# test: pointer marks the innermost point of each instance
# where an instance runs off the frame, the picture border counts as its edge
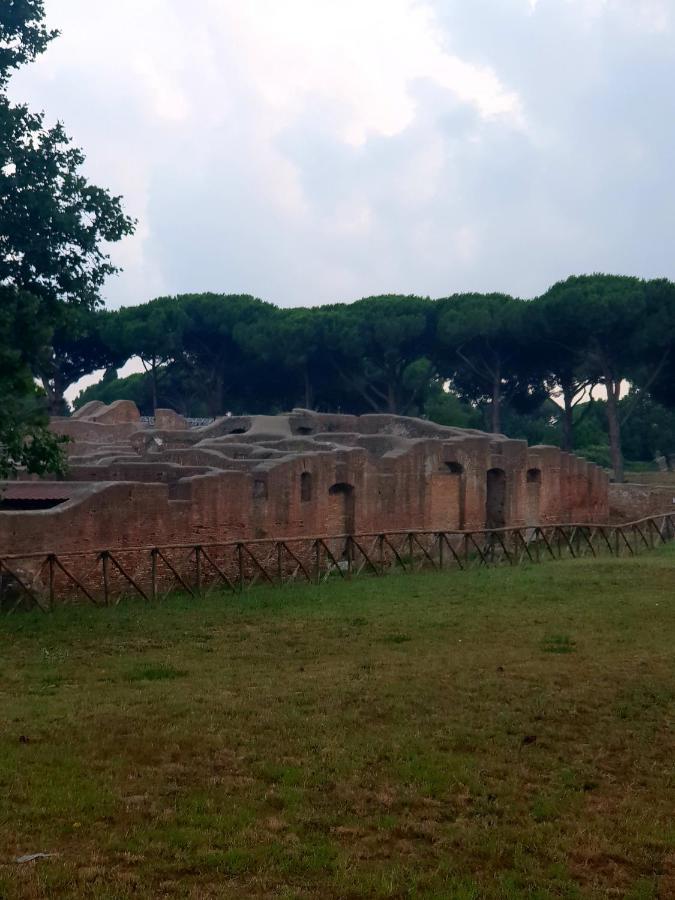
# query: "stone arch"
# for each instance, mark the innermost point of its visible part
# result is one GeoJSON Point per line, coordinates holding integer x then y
{"type": "Point", "coordinates": [341, 508]}
{"type": "Point", "coordinates": [533, 495]}
{"type": "Point", "coordinates": [495, 499]}
{"type": "Point", "coordinates": [306, 487]}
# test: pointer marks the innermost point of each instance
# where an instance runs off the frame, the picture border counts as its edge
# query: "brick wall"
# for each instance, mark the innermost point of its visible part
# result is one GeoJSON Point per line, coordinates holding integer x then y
{"type": "Point", "coordinates": [229, 481]}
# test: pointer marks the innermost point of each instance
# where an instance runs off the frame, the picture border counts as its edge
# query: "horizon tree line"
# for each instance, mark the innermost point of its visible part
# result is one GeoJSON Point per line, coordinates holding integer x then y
{"type": "Point", "coordinates": [205, 354]}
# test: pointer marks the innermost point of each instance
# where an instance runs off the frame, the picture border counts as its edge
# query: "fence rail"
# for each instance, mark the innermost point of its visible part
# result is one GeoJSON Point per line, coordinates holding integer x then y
{"type": "Point", "coordinates": [104, 577]}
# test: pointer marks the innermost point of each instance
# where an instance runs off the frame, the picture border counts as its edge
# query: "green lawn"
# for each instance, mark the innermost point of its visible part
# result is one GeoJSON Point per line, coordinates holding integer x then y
{"type": "Point", "coordinates": [487, 734]}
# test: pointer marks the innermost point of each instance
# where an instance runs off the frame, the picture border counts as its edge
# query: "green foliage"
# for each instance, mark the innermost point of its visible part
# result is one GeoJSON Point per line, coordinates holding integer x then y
{"type": "Point", "coordinates": [615, 328]}
{"type": "Point", "coordinates": [384, 344]}
{"type": "Point", "coordinates": [650, 428]}
{"type": "Point", "coordinates": [54, 222]}
{"type": "Point", "coordinates": [479, 348]}
{"type": "Point", "coordinates": [136, 387]}
{"type": "Point", "coordinates": [211, 346]}
{"type": "Point", "coordinates": [446, 408]}
{"type": "Point", "coordinates": [53, 231]}
{"type": "Point", "coordinates": [23, 34]}
{"type": "Point", "coordinates": [539, 425]}
{"type": "Point", "coordinates": [596, 453]}
{"type": "Point", "coordinates": [77, 347]}
{"type": "Point", "coordinates": [502, 358]}
{"type": "Point", "coordinates": [25, 441]}
{"type": "Point", "coordinates": [158, 672]}
{"type": "Point", "coordinates": [27, 444]}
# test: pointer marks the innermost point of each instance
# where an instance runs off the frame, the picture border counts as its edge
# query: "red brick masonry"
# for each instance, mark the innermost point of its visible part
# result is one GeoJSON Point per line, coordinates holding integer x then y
{"type": "Point", "coordinates": [304, 473]}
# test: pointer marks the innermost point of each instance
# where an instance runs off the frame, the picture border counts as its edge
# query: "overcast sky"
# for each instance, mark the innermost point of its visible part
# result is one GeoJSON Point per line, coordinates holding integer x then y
{"type": "Point", "coordinates": [312, 151]}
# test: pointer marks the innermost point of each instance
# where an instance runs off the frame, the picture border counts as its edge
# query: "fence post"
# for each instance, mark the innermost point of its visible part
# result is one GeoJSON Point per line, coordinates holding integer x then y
{"type": "Point", "coordinates": [280, 563]}
{"type": "Point", "coordinates": [440, 550]}
{"type": "Point", "coordinates": [153, 555]}
{"type": "Point", "coordinates": [240, 561]}
{"type": "Point", "coordinates": [317, 561]}
{"type": "Point", "coordinates": [198, 569]}
{"type": "Point", "coordinates": [51, 580]}
{"type": "Point", "coordinates": [105, 562]}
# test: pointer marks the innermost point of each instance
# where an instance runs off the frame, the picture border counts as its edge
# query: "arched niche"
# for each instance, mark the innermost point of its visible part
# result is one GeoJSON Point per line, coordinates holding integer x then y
{"type": "Point", "coordinates": [495, 498]}
{"type": "Point", "coordinates": [341, 508]}
{"type": "Point", "coordinates": [533, 496]}
{"type": "Point", "coordinates": [456, 512]}
{"type": "Point", "coordinates": [306, 487]}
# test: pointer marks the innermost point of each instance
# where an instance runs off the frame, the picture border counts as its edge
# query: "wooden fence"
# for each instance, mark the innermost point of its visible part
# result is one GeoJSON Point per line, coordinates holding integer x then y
{"type": "Point", "coordinates": [105, 577]}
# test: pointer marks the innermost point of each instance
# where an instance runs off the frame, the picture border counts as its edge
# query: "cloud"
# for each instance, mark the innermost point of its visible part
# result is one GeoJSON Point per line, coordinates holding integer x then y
{"type": "Point", "coordinates": [312, 151]}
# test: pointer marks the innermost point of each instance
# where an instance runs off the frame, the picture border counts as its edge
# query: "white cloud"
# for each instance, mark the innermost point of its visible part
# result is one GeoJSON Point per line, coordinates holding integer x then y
{"type": "Point", "coordinates": [315, 150]}
{"type": "Point", "coordinates": [361, 57]}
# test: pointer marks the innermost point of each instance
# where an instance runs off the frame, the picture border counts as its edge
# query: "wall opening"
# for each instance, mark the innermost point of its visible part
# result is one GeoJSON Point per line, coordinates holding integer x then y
{"type": "Point", "coordinates": [533, 489]}
{"type": "Point", "coordinates": [26, 505]}
{"type": "Point", "coordinates": [305, 487]}
{"type": "Point", "coordinates": [457, 515]}
{"type": "Point", "coordinates": [259, 489]}
{"type": "Point", "coordinates": [495, 502]}
{"type": "Point", "coordinates": [341, 513]}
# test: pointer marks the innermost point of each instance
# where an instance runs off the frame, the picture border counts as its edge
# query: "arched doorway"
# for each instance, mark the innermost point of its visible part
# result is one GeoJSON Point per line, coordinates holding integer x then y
{"type": "Point", "coordinates": [458, 497]}
{"type": "Point", "coordinates": [533, 487]}
{"type": "Point", "coordinates": [495, 501]}
{"type": "Point", "coordinates": [341, 509]}
{"type": "Point", "coordinates": [305, 487]}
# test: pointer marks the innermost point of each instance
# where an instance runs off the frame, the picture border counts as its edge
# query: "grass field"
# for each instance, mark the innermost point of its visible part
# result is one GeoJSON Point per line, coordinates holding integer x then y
{"type": "Point", "coordinates": [490, 734]}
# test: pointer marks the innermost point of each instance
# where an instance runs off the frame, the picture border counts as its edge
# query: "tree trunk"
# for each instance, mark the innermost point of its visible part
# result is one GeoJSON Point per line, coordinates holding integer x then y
{"type": "Point", "coordinates": [568, 420]}
{"type": "Point", "coordinates": [153, 378]}
{"type": "Point", "coordinates": [54, 388]}
{"type": "Point", "coordinates": [217, 397]}
{"type": "Point", "coordinates": [392, 405]}
{"type": "Point", "coordinates": [309, 394]}
{"type": "Point", "coordinates": [614, 426]}
{"type": "Point", "coordinates": [496, 407]}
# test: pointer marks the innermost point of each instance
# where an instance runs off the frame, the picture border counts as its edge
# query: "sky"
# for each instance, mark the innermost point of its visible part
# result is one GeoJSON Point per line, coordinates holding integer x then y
{"type": "Point", "coordinates": [314, 151]}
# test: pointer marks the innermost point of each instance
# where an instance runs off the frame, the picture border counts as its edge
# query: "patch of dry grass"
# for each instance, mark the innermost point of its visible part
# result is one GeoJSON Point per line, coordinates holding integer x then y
{"type": "Point", "coordinates": [494, 734]}
{"type": "Point", "coordinates": [656, 478]}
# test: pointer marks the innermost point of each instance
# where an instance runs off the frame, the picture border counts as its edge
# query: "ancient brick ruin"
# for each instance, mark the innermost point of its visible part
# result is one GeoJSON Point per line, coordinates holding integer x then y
{"type": "Point", "coordinates": [131, 484]}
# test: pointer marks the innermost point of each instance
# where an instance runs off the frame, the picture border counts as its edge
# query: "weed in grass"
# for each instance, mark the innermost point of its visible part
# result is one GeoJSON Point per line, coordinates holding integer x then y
{"type": "Point", "coordinates": [644, 889]}
{"type": "Point", "coordinates": [558, 643]}
{"type": "Point", "coordinates": [396, 639]}
{"type": "Point", "coordinates": [160, 672]}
